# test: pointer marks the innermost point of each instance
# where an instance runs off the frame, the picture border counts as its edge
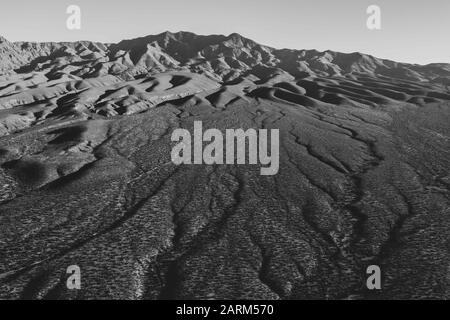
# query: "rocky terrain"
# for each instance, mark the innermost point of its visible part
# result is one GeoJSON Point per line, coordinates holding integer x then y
{"type": "Point", "coordinates": [86, 177]}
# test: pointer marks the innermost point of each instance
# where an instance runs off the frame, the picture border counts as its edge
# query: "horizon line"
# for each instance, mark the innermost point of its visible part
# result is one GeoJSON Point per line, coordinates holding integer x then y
{"type": "Point", "coordinates": [226, 36]}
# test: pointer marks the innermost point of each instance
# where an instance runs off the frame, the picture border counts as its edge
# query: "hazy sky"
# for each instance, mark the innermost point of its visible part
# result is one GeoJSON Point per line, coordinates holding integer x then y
{"type": "Point", "coordinates": [411, 30]}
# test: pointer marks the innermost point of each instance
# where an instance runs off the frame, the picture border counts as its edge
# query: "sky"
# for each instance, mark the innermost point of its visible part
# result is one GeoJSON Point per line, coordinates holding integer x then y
{"type": "Point", "coordinates": [411, 31]}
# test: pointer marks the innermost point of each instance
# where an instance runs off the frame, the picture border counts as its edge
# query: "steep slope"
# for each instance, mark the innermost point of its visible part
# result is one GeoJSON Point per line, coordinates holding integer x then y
{"type": "Point", "coordinates": [10, 55]}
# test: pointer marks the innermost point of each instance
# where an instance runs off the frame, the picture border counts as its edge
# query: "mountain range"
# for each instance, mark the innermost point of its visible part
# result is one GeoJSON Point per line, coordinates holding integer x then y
{"type": "Point", "coordinates": [224, 58]}
{"type": "Point", "coordinates": [86, 176]}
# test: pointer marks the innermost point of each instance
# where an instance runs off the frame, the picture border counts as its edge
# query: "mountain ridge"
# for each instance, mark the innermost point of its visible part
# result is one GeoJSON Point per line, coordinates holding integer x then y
{"type": "Point", "coordinates": [223, 58]}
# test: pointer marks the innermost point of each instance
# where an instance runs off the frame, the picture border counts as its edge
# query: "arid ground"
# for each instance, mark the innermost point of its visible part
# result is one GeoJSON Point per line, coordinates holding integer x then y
{"type": "Point", "coordinates": [86, 176]}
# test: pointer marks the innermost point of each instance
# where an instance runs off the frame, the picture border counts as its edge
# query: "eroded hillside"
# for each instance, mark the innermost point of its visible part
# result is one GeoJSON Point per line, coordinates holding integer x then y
{"type": "Point", "coordinates": [86, 176]}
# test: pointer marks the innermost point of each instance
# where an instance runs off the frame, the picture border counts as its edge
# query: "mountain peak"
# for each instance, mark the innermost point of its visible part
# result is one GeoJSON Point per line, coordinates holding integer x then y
{"type": "Point", "coordinates": [235, 35]}
{"type": "Point", "coordinates": [3, 40]}
{"type": "Point", "coordinates": [10, 55]}
{"type": "Point", "coordinates": [238, 37]}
